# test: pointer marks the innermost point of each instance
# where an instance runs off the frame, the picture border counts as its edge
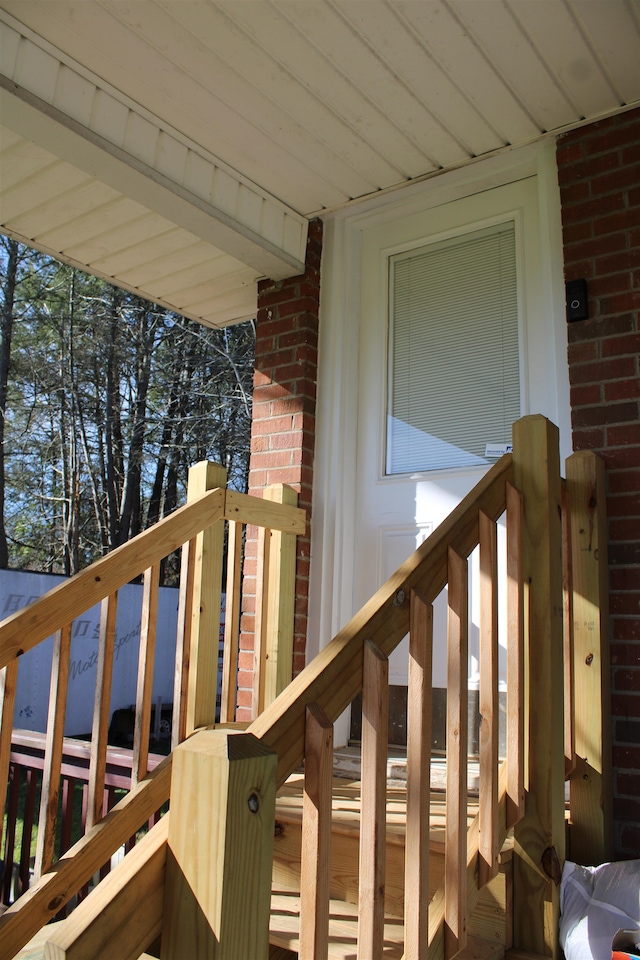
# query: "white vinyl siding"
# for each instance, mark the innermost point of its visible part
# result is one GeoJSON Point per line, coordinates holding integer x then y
{"type": "Point", "coordinates": [454, 356]}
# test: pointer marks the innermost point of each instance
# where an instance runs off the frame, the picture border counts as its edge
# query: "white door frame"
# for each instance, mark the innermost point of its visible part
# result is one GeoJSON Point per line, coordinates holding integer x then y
{"type": "Point", "coordinates": [334, 497]}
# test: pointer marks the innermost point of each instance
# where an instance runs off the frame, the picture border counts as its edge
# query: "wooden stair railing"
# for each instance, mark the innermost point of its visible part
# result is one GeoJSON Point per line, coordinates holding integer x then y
{"type": "Point", "coordinates": [527, 486]}
{"type": "Point", "coordinates": [197, 528]}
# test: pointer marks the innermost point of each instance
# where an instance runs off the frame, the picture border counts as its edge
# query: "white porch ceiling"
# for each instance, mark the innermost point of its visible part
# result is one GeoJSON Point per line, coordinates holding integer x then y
{"type": "Point", "coordinates": [178, 147]}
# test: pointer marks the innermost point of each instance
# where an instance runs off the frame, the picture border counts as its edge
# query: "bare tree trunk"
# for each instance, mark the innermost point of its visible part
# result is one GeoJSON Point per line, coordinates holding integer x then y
{"type": "Point", "coordinates": [69, 441]}
{"type": "Point", "coordinates": [113, 431]}
{"type": "Point", "coordinates": [130, 519]}
{"type": "Point", "coordinates": [5, 365]}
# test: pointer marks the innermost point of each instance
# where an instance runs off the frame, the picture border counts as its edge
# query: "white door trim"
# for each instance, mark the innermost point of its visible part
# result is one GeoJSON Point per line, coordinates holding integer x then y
{"type": "Point", "coordinates": [334, 499]}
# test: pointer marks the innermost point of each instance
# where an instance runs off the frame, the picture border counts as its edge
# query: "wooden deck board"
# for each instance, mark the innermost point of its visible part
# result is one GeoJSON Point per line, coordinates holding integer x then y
{"type": "Point", "coordinates": [487, 922]}
{"type": "Point", "coordinates": [343, 931]}
{"type": "Point", "coordinates": [346, 807]}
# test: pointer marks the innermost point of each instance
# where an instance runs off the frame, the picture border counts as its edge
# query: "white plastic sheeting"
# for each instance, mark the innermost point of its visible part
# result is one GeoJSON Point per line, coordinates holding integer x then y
{"type": "Point", "coordinates": [596, 903]}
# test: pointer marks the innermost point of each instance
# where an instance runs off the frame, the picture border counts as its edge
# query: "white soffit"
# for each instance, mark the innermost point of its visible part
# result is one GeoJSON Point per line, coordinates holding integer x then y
{"type": "Point", "coordinates": [310, 105]}
{"type": "Point", "coordinates": [82, 167]}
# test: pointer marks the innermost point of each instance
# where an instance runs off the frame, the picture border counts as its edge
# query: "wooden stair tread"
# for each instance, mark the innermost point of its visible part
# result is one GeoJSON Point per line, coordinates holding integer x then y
{"type": "Point", "coordinates": [346, 808]}
{"type": "Point", "coordinates": [343, 926]}
{"type": "Point", "coordinates": [343, 930]}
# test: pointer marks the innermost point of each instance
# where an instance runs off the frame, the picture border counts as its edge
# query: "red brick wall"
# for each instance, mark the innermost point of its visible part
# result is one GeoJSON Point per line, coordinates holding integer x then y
{"type": "Point", "coordinates": [283, 431]}
{"type": "Point", "coordinates": [599, 173]}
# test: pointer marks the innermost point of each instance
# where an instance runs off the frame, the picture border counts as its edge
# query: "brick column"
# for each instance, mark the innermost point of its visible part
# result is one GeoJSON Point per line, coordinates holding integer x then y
{"type": "Point", "coordinates": [599, 174]}
{"type": "Point", "coordinates": [283, 431]}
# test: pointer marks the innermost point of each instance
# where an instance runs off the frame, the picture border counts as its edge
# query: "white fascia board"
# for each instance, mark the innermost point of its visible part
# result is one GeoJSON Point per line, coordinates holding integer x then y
{"type": "Point", "coordinates": [58, 104]}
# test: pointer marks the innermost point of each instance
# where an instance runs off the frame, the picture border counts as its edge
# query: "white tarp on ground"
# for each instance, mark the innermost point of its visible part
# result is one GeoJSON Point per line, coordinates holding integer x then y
{"type": "Point", "coordinates": [17, 588]}
{"type": "Point", "coordinates": [596, 903]}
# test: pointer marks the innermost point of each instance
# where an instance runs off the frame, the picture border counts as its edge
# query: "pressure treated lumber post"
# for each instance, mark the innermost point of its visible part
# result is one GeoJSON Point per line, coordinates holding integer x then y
{"type": "Point", "coordinates": [280, 587]}
{"type": "Point", "coordinates": [539, 836]}
{"type": "Point", "coordinates": [373, 818]}
{"type": "Point", "coordinates": [419, 725]}
{"type": "Point", "coordinates": [455, 854]}
{"type": "Point", "coordinates": [315, 855]}
{"type": "Point", "coordinates": [205, 611]}
{"type": "Point", "coordinates": [591, 799]}
{"type": "Point", "coordinates": [220, 848]}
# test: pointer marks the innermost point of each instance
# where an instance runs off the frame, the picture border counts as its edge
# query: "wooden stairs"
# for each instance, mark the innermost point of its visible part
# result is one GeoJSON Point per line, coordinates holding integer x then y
{"type": "Point", "coordinates": [489, 926]}
{"type": "Point", "coordinates": [356, 868]}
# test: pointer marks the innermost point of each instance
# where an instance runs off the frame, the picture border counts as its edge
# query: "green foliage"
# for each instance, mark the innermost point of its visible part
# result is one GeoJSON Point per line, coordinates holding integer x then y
{"type": "Point", "coordinates": [108, 400]}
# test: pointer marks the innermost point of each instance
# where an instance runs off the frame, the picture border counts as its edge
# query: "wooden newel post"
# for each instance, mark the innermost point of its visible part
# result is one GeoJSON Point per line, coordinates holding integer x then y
{"type": "Point", "coordinates": [539, 837]}
{"type": "Point", "coordinates": [275, 602]}
{"type": "Point", "coordinates": [220, 848]}
{"type": "Point", "coordinates": [591, 797]}
{"type": "Point", "coordinates": [205, 610]}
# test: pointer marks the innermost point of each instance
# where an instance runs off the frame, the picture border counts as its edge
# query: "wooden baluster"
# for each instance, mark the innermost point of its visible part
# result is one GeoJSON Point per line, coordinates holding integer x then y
{"type": "Point", "coordinates": [100, 729]}
{"type": "Point", "coordinates": [231, 624]}
{"type": "Point", "coordinates": [28, 811]}
{"type": "Point", "coordinates": [591, 794]}
{"type": "Point", "coordinates": [489, 710]}
{"type": "Point", "coordinates": [567, 631]}
{"type": "Point", "coordinates": [10, 838]}
{"type": "Point", "coordinates": [419, 724]}
{"type": "Point", "coordinates": [8, 683]}
{"type": "Point", "coordinates": [183, 644]}
{"type": "Point", "coordinates": [263, 561]}
{"type": "Point", "coordinates": [373, 814]}
{"type": "Point", "coordinates": [68, 795]}
{"type": "Point", "coordinates": [146, 657]}
{"type": "Point", "coordinates": [515, 659]}
{"type": "Point", "coordinates": [53, 752]}
{"type": "Point", "coordinates": [457, 732]}
{"type": "Point", "coordinates": [280, 600]}
{"type": "Point", "coordinates": [205, 607]}
{"type": "Point", "coordinates": [316, 835]}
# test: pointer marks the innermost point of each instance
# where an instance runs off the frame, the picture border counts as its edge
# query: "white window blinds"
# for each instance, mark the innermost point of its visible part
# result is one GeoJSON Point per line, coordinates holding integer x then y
{"type": "Point", "coordinates": [453, 358]}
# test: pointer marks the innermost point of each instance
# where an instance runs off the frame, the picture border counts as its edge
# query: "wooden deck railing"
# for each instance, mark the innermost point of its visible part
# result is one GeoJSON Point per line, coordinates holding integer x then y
{"type": "Point", "coordinates": [198, 530]}
{"type": "Point", "coordinates": [223, 784]}
{"type": "Point", "coordinates": [27, 765]}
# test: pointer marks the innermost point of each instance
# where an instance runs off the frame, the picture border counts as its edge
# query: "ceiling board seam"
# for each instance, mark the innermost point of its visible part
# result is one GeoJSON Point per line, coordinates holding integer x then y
{"type": "Point", "coordinates": [101, 209]}
{"type": "Point", "coordinates": [327, 106]}
{"type": "Point", "coordinates": [58, 61]}
{"type": "Point", "coordinates": [266, 130]}
{"type": "Point", "coordinates": [536, 52]}
{"type": "Point", "coordinates": [125, 286]}
{"type": "Point", "coordinates": [586, 35]}
{"type": "Point", "coordinates": [142, 264]}
{"type": "Point", "coordinates": [430, 52]}
{"type": "Point", "coordinates": [389, 119]}
{"type": "Point", "coordinates": [32, 177]}
{"type": "Point", "coordinates": [633, 8]}
{"type": "Point", "coordinates": [507, 148]}
{"type": "Point", "coordinates": [498, 73]}
{"type": "Point", "coordinates": [154, 179]}
{"type": "Point", "coordinates": [103, 85]}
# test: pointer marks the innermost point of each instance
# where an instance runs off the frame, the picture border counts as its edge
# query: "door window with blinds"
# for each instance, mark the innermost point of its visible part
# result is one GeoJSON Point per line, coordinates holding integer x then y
{"type": "Point", "coordinates": [454, 377]}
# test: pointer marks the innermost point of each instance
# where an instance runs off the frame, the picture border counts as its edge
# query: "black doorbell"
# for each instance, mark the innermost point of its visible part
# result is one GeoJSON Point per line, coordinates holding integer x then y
{"type": "Point", "coordinates": [577, 301]}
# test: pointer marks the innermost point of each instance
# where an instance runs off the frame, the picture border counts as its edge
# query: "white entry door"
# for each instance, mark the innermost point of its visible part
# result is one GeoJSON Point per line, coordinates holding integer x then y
{"type": "Point", "coordinates": [456, 340]}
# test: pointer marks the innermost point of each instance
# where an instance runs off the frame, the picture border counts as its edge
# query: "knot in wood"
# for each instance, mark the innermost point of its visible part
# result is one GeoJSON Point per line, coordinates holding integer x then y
{"type": "Point", "coordinates": [551, 865]}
